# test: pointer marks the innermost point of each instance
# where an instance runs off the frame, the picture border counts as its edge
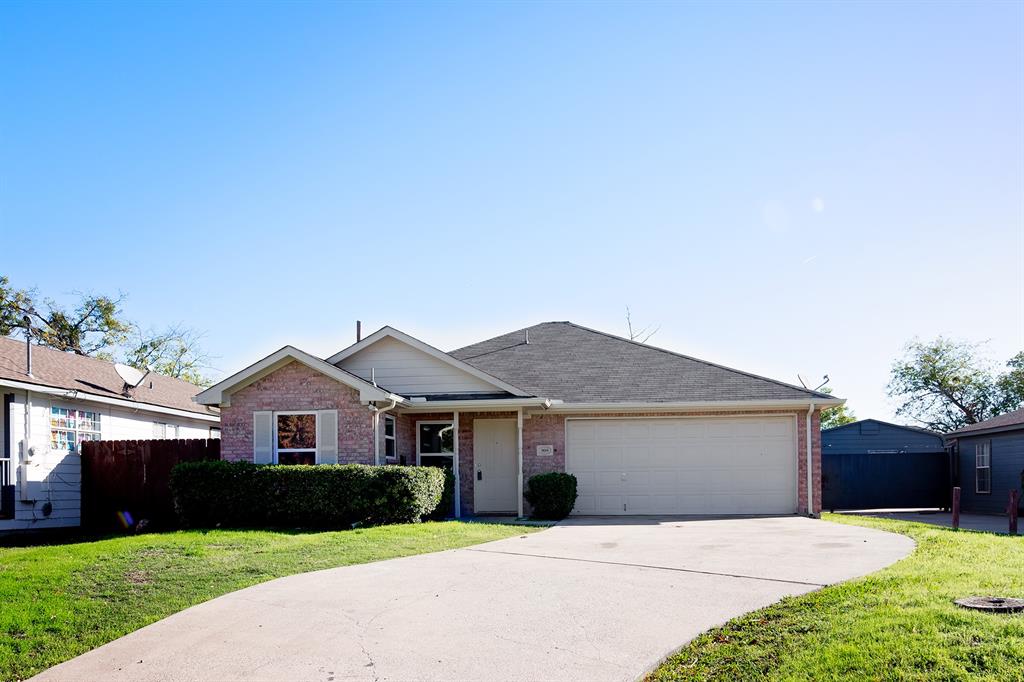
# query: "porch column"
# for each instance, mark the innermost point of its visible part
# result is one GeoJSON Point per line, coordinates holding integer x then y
{"type": "Point", "coordinates": [455, 465]}
{"type": "Point", "coordinates": [519, 460]}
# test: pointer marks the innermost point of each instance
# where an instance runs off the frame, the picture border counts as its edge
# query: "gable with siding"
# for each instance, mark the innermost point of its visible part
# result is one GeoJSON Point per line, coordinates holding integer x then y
{"type": "Point", "coordinates": [400, 368]}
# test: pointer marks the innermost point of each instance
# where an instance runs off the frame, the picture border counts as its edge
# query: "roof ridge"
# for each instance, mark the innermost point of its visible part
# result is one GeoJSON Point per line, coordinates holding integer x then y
{"type": "Point", "coordinates": [880, 421]}
{"type": "Point", "coordinates": [705, 362]}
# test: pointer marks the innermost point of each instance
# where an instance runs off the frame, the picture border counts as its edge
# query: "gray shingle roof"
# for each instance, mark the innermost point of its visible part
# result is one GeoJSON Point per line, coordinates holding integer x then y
{"type": "Point", "coordinates": [58, 369]}
{"type": "Point", "coordinates": [1003, 421]}
{"type": "Point", "coordinates": [572, 363]}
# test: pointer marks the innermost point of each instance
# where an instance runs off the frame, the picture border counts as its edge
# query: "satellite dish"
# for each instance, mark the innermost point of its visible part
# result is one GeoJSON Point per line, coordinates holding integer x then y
{"type": "Point", "coordinates": [132, 377]}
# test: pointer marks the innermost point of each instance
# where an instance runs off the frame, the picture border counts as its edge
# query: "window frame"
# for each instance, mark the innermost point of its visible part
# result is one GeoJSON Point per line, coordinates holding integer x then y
{"type": "Point", "coordinates": [983, 449]}
{"type": "Point", "coordinates": [393, 438]}
{"type": "Point", "coordinates": [419, 444]}
{"type": "Point", "coordinates": [98, 421]}
{"type": "Point", "coordinates": [316, 427]}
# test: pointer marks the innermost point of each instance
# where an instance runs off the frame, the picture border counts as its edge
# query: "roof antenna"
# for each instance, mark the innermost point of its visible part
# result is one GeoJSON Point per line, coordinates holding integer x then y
{"type": "Point", "coordinates": [28, 345]}
{"type": "Point", "coordinates": [527, 337]}
{"type": "Point", "coordinates": [802, 382]}
{"type": "Point", "coordinates": [822, 384]}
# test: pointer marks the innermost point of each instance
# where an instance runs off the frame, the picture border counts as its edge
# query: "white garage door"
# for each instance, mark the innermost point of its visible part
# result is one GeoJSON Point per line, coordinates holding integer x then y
{"type": "Point", "coordinates": [742, 465]}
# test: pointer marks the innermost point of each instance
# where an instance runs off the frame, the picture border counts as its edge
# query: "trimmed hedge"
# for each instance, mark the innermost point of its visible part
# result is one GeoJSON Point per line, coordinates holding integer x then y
{"type": "Point", "coordinates": [552, 495]}
{"type": "Point", "coordinates": [209, 494]}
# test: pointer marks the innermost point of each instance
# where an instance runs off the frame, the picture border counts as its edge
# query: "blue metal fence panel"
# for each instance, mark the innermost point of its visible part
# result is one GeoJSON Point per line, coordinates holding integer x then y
{"type": "Point", "coordinates": [882, 480]}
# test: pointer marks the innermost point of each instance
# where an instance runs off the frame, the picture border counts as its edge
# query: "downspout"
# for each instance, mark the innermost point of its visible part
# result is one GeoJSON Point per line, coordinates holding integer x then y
{"type": "Point", "coordinates": [377, 412]}
{"type": "Point", "coordinates": [810, 461]}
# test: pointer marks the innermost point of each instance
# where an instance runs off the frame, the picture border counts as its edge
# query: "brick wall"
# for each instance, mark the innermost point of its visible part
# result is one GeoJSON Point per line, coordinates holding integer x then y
{"type": "Point", "coordinates": [297, 387]}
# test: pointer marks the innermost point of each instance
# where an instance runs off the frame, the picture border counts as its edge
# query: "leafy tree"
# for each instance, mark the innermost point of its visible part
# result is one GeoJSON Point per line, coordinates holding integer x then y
{"type": "Point", "coordinates": [96, 327]}
{"type": "Point", "coordinates": [93, 327]}
{"type": "Point", "coordinates": [836, 416]}
{"type": "Point", "coordinates": [946, 384]}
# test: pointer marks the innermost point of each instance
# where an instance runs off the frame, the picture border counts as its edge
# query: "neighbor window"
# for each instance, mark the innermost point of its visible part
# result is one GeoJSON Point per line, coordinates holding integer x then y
{"type": "Point", "coordinates": [296, 438]}
{"type": "Point", "coordinates": [390, 445]}
{"type": "Point", "coordinates": [435, 443]}
{"type": "Point", "coordinates": [69, 427]}
{"type": "Point", "coordinates": [164, 430]}
{"type": "Point", "coordinates": [983, 467]}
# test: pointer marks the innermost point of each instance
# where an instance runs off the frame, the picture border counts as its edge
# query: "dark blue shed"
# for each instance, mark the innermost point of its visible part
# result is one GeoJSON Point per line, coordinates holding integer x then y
{"type": "Point", "coordinates": [871, 464]}
{"type": "Point", "coordinates": [990, 458]}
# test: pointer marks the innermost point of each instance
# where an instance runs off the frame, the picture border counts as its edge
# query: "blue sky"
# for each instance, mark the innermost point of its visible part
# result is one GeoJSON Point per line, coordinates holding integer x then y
{"type": "Point", "coordinates": [782, 188]}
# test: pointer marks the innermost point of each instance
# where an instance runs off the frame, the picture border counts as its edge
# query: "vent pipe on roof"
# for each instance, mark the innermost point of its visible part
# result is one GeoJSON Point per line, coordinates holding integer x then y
{"type": "Point", "coordinates": [28, 345]}
{"type": "Point", "coordinates": [359, 331]}
{"type": "Point", "coordinates": [527, 337]}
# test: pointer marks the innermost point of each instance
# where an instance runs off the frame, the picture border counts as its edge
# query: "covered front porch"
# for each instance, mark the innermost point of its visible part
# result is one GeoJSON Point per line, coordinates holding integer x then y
{"type": "Point", "coordinates": [482, 448]}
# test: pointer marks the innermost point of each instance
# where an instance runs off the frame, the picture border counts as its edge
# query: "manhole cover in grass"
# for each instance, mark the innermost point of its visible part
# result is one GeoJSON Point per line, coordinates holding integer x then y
{"type": "Point", "coordinates": [995, 604]}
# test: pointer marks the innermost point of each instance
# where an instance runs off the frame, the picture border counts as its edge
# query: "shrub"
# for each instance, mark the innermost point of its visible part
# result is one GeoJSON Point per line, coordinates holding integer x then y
{"type": "Point", "coordinates": [208, 494]}
{"type": "Point", "coordinates": [552, 496]}
{"type": "Point", "coordinates": [445, 508]}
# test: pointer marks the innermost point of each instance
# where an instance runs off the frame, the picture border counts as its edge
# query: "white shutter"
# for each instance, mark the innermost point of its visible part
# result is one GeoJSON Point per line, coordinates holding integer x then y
{"type": "Point", "coordinates": [263, 437]}
{"type": "Point", "coordinates": [327, 436]}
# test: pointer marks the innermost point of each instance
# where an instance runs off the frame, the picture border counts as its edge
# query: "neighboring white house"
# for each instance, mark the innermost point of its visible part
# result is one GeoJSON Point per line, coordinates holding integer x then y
{"type": "Point", "coordinates": [63, 400]}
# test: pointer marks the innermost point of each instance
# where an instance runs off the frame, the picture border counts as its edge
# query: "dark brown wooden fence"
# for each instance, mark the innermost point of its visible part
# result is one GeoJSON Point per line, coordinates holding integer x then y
{"type": "Point", "coordinates": [126, 481]}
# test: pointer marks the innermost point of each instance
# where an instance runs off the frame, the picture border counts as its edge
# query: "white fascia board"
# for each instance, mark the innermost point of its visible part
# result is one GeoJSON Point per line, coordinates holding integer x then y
{"type": "Point", "coordinates": [702, 406]}
{"type": "Point", "coordinates": [73, 394]}
{"type": "Point", "coordinates": [429, 350]}
{"type": "Point", "coordinates": [489, 404]}
{"type": "Point", "coordinates": [220, 392]}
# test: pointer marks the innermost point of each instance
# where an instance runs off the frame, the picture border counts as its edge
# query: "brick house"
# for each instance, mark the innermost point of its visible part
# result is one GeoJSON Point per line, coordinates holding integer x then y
{"type": "Point", "coordinates": [645, 430]}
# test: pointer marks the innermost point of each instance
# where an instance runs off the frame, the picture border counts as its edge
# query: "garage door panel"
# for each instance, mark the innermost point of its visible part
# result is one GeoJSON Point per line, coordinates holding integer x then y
{"type": "Point", "coordinates": [778, 428]}
{"type": "Point", "coordinates": [683, 466]}
{"type": "Point", "coordinates": [585, 504]}
{"type": "Point", "coordinates": [605, 457]}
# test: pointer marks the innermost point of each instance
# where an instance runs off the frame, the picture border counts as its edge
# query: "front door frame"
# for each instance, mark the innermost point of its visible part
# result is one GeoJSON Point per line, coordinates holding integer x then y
{"type": "Point", "coordinates": [517, 490]}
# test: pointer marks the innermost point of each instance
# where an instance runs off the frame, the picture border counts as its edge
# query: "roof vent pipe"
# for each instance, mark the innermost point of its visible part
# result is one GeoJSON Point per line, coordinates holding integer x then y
{"type": "Point", "coordinates": [28, 345]}
{"type": "Point", "coordinates": [359, 331]}
{"type": "Point", "coordinates": [527, 337]}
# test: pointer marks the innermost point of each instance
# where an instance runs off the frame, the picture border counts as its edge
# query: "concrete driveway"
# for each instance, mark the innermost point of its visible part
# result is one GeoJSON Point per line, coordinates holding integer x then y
{"type": "Point", "coordinates": [590, 599]}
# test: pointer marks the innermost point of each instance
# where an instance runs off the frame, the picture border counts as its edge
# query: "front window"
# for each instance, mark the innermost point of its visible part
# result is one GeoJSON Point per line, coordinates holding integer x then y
{"type": "Point", "coordinates": [390, 444]}
{"type": "Point", "coordinates": [70, 427]}
{"type": "Point", "coordinates": [435, 442]}
{"type": "Point", "coordinates": [296, 438]}
{"type": "Point", "coordinates": [983, 467]}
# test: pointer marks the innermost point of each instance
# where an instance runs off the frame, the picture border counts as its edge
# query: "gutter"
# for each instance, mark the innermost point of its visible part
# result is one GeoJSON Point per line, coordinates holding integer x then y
{"type": "Point", "coordinates": [377, 412]}
{"type": "Point", "coordinates": [703, 406]}
{"type": "Point", "coordinates": [71, 394]}
{"type": "Point", "coordinates": [446, 405]}
{"type": "Point", "coordinates": [810, 461]}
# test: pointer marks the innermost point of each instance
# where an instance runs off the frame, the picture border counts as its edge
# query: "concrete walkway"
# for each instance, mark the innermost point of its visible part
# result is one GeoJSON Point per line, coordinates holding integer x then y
{"type": "Point", "coordinates": [590, 599]}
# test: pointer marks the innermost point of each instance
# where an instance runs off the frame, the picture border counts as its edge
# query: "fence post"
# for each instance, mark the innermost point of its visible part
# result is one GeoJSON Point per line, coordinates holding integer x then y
{"type": "Point", "coordinates": [1012, 511]}
{"type": "Point", "coordinates": [956, 507]}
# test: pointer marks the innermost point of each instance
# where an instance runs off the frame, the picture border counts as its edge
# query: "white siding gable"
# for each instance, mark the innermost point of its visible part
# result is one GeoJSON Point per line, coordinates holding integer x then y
{"type": "Point", "coordinates": [403, 369]}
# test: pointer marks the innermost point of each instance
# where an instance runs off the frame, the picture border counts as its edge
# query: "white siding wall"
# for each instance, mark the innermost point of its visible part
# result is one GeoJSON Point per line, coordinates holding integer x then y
{"type": "Point", "coordinates": [404, 369]}
{"type": "Point", "coordinates": [55, 476]}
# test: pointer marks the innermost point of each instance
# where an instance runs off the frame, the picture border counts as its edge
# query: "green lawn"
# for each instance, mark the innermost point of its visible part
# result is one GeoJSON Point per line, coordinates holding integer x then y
{"type": "Point", "coordinates": [897, 624]}
{"type": "Point", "coordinates": [58, 601]}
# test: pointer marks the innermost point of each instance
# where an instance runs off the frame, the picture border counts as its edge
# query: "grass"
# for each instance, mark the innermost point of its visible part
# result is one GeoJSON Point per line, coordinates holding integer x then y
{"type": "Point", "coordinates": [897, 624]}
{"type": "Point", "coordinates": [58, 601]}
